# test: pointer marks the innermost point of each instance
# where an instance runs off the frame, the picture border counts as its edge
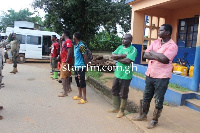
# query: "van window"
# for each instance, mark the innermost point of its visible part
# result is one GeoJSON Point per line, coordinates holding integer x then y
{"type": "Point", "coordinates": [36, 40]}
{"type": "Point", "coordinates": [22, 38]}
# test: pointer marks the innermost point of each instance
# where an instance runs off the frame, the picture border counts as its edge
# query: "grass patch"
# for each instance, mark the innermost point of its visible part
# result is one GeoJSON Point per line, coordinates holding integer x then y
{"type": "Point", "coordinates": [166, 103]}
{"type": "Point", "coordinates": [105, 79]}
{"type": "Point", "coordinates": [94, 74]}
{"type": "Point", "coordinates": [139, 75]}
{"type": "Point", "coordinates": [178, 88]}
{"type": "Point", "coordinates": [173, 86]}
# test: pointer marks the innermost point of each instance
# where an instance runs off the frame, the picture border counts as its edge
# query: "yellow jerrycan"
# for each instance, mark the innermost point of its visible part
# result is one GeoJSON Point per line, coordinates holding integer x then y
{"type": "Point", "coordinates": [183, 69]}
{"type": "Point", "coordinates": [175, 66]}
{"type": "Point", "coordinates": [191, 71]}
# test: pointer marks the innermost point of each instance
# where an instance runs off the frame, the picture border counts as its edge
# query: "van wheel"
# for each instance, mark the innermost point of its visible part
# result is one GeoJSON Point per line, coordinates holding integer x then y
{"type": "Point", "coordinates": [21, 58]}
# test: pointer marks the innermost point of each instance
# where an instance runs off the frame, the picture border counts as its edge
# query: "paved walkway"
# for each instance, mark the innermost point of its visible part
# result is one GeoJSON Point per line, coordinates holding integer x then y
{"type": "Point", "coordinates": [31, 105]}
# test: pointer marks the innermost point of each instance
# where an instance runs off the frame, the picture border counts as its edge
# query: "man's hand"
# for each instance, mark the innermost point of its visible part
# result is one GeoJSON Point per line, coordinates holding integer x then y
{"type": "Point", "coordinates": [116, 57]}
{"type": "Point", "coordinates": [61, 39]}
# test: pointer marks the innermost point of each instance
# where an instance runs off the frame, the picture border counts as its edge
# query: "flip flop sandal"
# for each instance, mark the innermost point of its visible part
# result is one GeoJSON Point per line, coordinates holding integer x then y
{"type": "Point", "coordinates": [82, 101]}
{"type": "Point", "coordinates": [76, 98]}
{"type": "Point", "coordinates": [62, 95]}
{"type": "Point", "coordinates": [2, 83]}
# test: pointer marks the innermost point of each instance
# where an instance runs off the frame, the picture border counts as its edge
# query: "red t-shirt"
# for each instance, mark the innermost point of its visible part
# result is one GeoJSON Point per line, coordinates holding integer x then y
{"type": "Point", "coordinates": [63, 56]}
{"type": "Point", "coordinates": [54, 49]}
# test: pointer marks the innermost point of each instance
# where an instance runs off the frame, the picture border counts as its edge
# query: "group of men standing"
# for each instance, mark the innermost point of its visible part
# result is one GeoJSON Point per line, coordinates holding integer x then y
{"type": "Point", "coordinates": [13, 44]}
{"type": "Point", "coordinates": [68, 54]}
{"type": "Point", "coordinates": [160, 54]}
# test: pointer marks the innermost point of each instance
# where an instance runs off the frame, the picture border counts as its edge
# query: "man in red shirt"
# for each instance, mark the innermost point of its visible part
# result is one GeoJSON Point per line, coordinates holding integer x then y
{"type": "Point", "coordinates": [54, 52]}
{"type": "Point", "coordinates": [66, 57]}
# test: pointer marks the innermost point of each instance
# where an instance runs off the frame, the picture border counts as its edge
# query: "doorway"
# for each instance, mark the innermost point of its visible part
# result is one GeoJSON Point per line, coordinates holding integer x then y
{"type": "Point", "coordinates": [46, 45]}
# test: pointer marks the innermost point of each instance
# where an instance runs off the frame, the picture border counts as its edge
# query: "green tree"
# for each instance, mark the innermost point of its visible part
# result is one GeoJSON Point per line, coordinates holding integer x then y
{"type": "Point", "coordinates": [104, 41]}
{"type": "Point", "coordinates": [23, 15]}
{"type": "Point", "coordinates": [85, 16]}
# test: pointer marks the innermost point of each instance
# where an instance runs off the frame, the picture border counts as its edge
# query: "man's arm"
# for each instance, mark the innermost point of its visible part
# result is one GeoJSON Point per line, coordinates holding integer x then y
{"type": "Point", "coordinates": [83, 53]}
{"type": "Point", "coordinates": [125, 61]}
{"type": "Point", "coordinates": [159, 57]}
{"type": "Point", "coordinates": [18, 47]}
{"type": "Point", "coordinates": [68, 54]}
{"type": "Point", "coordinates": [116, 57]}
{"type": "Point", "coordinates": [4, 43]}
{"type": "Point", "coordinates": [148, 56]}
{"type": "Point", "coordinates": [85, 58]}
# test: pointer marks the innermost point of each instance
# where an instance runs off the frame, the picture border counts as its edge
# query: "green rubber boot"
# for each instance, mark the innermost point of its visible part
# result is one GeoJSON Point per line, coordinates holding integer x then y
{"type": "Point", "coordinates": [122, 108]}
{"type": "Point", "coordinates": [116, 104]}
{"type": "Point", "coordinates": [55, 75]}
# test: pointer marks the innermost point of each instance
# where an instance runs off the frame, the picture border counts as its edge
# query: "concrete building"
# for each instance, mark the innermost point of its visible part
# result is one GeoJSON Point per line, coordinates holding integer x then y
{"type": "Point", "coordinates": [183, 15]}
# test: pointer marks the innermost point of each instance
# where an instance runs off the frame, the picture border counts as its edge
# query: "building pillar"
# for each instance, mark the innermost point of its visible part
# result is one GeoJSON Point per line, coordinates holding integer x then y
{"type": "Point", "coordinates": [196, 73]}
{"type": "Point", "coordinates": [137, 27]}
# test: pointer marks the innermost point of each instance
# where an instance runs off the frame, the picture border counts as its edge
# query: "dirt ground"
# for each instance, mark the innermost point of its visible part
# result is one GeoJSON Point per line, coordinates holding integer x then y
{"type": "Point", "coordinates": [31, 105]}
{"type": "Point", "coordinates": [107, 79]}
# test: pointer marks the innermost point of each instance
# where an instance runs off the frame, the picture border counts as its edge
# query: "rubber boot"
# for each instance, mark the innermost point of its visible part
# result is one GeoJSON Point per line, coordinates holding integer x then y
{"type": "Point", "coordinates": [116, 104]}
{"type": "Point", "coordinates": [13, 71]}
{"type": "Point", "coordinates": [55, 75]}
{"type": "Point", "coordinates": [16, 70]}
{"type": "Point", "coordinates": [143, 111]}
{"type": "Point", "coordinates": [122, 108]}
{"type": "Point", "coordinates": [154, 121]}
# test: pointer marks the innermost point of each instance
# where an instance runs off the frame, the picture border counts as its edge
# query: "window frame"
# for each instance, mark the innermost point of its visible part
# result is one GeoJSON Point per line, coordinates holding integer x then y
{"type": "Point", "coordinates": [25, 40]}
{"type": "Point", "coordinates": [39, 41]}
{"type": "Point", "coordinates": [183, 43]}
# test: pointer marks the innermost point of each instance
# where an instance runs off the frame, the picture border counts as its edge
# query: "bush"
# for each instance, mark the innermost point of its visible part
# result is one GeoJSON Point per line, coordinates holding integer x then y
{"type": "Point", "coordinates": [103, 41]}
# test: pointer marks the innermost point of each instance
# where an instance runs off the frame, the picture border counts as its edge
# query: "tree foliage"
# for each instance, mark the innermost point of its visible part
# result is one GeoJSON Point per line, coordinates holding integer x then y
{"type": "Point", "coordinates": [104, 41]}
{"type": "Point", "coordinates": [85, 16]}
{"type": "Point", "coordinates": [23, 15]}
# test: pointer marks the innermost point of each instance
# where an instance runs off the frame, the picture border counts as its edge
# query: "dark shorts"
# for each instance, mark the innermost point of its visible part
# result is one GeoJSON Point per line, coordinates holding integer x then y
{"type": "Point", "coordinates": [54, 62]}
{"type": "Point", "coordinates": [121, 87]}
{"type": "Point", "coordinates": [80, 78]}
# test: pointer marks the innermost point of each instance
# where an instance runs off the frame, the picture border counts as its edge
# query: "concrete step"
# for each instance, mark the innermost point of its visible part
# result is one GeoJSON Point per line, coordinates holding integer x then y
{"type": "Point", "coordinates": [197, 96]}
{"type": "Point", "coordinates": [193, 104]}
